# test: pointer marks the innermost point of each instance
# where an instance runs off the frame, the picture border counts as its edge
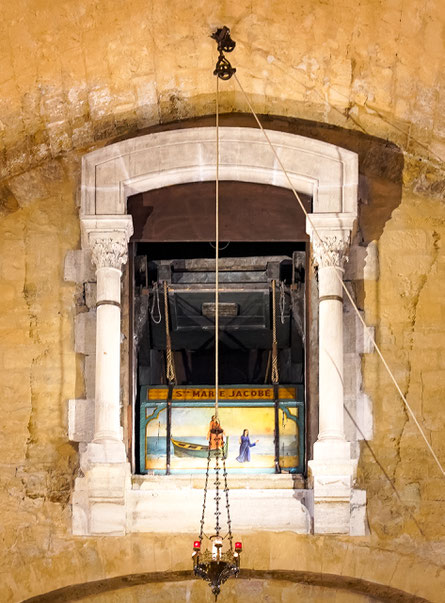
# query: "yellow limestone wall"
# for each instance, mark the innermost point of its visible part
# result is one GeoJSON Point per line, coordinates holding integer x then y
{"type": "Point", "coordinates": [78, 74]}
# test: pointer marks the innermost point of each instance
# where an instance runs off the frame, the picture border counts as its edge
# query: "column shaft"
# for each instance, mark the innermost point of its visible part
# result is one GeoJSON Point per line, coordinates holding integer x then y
{"type": "Point", "coordinates": [108, 330]}
{"type": "Point", "coordinates": [330, 354]}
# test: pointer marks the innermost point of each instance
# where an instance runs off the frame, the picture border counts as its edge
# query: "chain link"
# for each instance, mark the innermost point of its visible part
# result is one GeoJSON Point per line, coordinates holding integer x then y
{"type": "Point", "coordinates": [201, 532]}
{"type": "Point", "coordinates": [217, 496]}
{"type": "Point", "coordinates": [229, 520]}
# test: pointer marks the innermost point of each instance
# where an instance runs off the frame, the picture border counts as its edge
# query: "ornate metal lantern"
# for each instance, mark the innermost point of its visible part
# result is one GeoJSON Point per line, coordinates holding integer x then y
{"type": "Point", "coordinates": [221, 558]}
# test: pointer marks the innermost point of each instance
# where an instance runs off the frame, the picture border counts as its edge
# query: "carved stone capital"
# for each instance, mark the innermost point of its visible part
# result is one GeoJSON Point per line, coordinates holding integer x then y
{"type": "Point", "coordinates": [330, 237]}
{"type": "Point", "coordinates": [331, 250]}
{"type": "Point", "coordinates": [107, 237]}
{"type": "Point", "coordinates": [109, 251]}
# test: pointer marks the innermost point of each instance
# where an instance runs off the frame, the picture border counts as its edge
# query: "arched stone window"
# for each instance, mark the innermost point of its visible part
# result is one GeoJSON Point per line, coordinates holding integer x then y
{"type": "Point", "coordinates": [107, 499]}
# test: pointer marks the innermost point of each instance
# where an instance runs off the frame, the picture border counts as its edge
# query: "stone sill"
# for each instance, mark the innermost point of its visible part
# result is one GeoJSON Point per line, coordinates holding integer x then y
{"type": "Point", "coordinates": [266, 481]}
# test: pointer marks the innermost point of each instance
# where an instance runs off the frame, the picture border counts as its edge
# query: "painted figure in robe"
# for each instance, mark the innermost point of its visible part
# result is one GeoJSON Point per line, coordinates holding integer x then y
{"type": "Point", "coordinates": [245, 446]}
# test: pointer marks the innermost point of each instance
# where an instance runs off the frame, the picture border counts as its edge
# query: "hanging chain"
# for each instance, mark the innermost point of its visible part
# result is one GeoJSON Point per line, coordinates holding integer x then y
{"type": "Point", "coordinates": [217, 496]}
{"type": "Point", "coordinates": [170, 368]}
{"type": "Point", "coordinates": [226, 490]}
{"type": "Point", "coordinates": [282, 302]}
{"type": "Point", "coordinates": [155, 302]}
{"type": "Point", "coordinates": [275, 376]}
{"type": "Point", "coordinates": [201, 532]}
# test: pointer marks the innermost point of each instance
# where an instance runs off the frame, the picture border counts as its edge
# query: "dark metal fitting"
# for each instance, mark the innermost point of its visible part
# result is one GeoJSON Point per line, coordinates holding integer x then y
{"type": "Point", "coordinates": [223, 39]}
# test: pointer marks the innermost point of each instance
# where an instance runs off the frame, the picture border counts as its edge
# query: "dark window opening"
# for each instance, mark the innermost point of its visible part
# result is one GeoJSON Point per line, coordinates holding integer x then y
{"type": "Point", "coordinates": [245, 281]}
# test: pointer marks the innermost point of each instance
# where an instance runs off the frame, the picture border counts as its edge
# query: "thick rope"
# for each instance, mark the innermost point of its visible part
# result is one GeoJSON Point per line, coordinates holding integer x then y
{"type": "Point", "coordinates": [275, 376]}
{"type": "Point", "coordinates": [170, 364]}
{"type": "Point", "coordinates": [348, 295]}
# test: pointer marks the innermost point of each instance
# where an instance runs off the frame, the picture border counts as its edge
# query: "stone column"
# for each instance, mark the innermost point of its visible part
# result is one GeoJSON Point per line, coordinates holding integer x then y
{"type": "Point", "coordinates": [331, 468]}
{"type": "Point", "coordinates": [99, 496]}
{"type": "Point", "coordinates": [107, 238]}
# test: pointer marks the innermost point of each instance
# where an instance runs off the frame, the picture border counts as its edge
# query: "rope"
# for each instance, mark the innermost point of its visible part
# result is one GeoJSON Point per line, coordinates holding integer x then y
{"type": "Point", "coordinates": [348, 295]}
{"type": "Point", "coordinates": [282, 302]}
{"type": "Point", "coordinates": [170, 364]}
{"type": "Point", "coordinates": [217, 255]}
{"type": "Point", "coordinates": [275, 376]}
{"type": "Point", "coordinates": [155, 302]}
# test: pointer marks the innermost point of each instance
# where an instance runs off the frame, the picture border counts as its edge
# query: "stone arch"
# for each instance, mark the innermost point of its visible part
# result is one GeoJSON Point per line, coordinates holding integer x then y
{"type": "Point", "coordinates": [312, 587]}
{"type": "Point", "coordinates": [327, 172]}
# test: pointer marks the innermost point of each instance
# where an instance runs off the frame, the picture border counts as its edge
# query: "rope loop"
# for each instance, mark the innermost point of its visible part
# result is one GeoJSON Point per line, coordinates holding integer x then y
{"type": "Point", "coordinates": [155, 302]}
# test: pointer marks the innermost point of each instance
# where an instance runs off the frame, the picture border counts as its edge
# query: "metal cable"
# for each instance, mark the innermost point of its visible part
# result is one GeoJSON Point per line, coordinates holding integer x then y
{"type": "Point", "coordinates": [348, 295]}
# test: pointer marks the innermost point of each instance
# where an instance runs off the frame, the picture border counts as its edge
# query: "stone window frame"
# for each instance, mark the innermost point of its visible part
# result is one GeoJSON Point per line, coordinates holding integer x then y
{"type": "Point", "coordinates": [329, 174]}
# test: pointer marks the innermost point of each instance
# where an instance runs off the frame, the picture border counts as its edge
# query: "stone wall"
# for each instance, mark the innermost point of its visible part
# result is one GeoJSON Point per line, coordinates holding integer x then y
{"type": "Point", "coordinates": [77, 75]}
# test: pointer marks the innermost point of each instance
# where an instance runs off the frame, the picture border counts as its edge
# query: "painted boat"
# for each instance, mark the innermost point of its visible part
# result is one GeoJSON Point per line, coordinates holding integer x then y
{"type": "Point", "coordinates": [196, 450]}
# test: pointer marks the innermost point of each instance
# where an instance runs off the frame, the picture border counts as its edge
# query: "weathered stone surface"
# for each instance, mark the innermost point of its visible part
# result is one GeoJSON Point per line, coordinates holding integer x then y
{"type": "Point", "coordinates": [85, 332]}
{"type": "Point", "coordinates": [79, 267]}
{"type": "Point", "coordinates": [72, 77]}
{"type": "Point", "coordinates": [81, 420]}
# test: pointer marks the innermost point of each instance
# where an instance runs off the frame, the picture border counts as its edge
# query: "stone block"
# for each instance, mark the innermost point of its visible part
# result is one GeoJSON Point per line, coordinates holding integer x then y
{"type": "Point", "coordinates": [166, 510]}
{"type": "Point", "coordinates": [79, 267]}
{"type": "Point", "coordinates": [364, 417]}
{"type": "Point", "coordinates": [81, 420]}
{"type": "Point", "coordinates": [80, 525]}
{"type": "Point", "coordinates": [31, 185]}
{"type": "Point", "coordinates": [90, 375]}
{"type": "Point", "coordinates": [90, 294]}
{"type": "Point", "coordinates": [107, 481]}
{"type": "Point", "coordinates": [356, 338]}
{"type": "Point", "coordinates": [331, 517]}
{"type": "Point", "coordinates": [351, 374]}
{"type": "Point", "coordinates": [358, 525]}
{"type": "Point", "coordinates": [85, 333]}
{"type": "Point", "coordinates": [106, 452]}
{"type": "Point", "coordinates": [363, 263]}
{"type": "Point", "coordinates": [108, 518]}
{"type": "Point", "coordinates": [330, 487]}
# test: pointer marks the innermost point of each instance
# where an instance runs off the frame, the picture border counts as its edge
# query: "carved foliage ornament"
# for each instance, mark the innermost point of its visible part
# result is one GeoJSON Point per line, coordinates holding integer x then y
{"type": "Point", "coordinates": [109, 252]}
{"type": "Point", "coordinates": [330, 251]}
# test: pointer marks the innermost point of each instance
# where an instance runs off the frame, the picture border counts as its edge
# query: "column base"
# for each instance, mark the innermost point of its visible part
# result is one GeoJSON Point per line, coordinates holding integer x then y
{"type": "Point", "coordinates": [332, 472]}
{"type": "Point", "coordinates": [99, 498]}
{"type": "Point", "coordinates": [106, 451]}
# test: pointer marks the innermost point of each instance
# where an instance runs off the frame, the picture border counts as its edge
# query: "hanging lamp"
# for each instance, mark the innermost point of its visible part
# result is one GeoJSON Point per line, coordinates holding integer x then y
{"type": "Point", "coordinates": [216, 557]}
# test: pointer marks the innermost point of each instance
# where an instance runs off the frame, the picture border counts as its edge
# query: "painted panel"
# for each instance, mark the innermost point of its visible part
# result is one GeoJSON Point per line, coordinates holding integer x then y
{"type": "Point", "coordinates": [247, 415]}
